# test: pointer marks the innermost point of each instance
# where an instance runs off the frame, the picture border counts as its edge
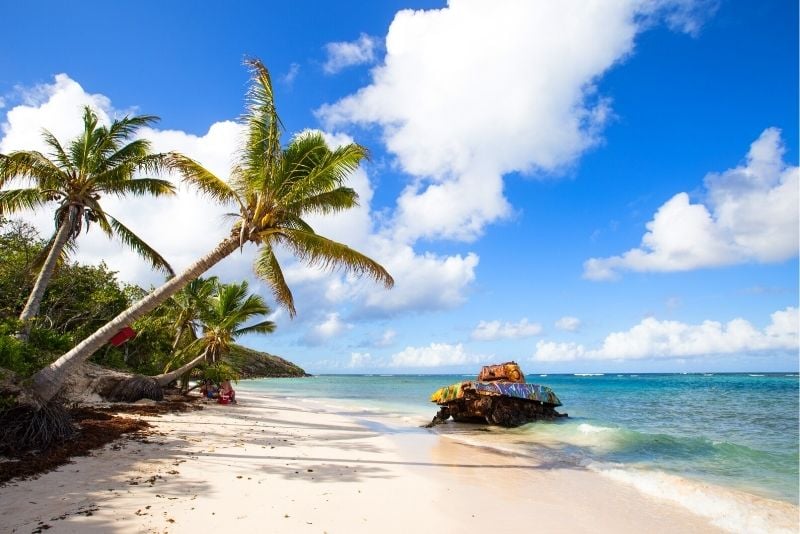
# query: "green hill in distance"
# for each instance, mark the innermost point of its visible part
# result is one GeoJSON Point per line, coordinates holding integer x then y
{"type": "Point", "coordinates": [255, 364]}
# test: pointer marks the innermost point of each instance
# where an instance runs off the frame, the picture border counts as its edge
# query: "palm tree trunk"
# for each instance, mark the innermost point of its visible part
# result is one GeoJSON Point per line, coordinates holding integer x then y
{"type": "Point", "coordinates": [48, 381]}
{"type": "Point", "coordinates": [31, 309]}
{"type": "Point", "coordinates": [177, 338]}
{"type": "Point", "coordinates": [166, 378]}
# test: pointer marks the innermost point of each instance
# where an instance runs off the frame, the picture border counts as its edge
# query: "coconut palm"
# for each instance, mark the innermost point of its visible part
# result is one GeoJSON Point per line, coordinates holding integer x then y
{"type": "Point", "coordinates": [273, 188]}
{"type": "Point", "coordinates": [188, 307]}
{"type": "Point", "coordinates": [223, 321]}
{"type": "Point", "coordinates": [101, 161]}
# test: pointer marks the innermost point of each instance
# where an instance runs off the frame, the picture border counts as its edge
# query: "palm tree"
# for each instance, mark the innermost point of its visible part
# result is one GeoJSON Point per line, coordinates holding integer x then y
{"type": "Point", "coordinates": [274, 188]}
{"type": "Point", "coordinates": [101, 161]}
{"type": "Point", "coordinates": [189, 305]}
{"type": "Point", "coordinates": [230, 308]}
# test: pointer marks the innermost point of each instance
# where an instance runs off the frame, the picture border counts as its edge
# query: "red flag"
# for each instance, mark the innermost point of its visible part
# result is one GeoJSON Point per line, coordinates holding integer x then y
{"type": "Point", "coordinates": [122, 336]}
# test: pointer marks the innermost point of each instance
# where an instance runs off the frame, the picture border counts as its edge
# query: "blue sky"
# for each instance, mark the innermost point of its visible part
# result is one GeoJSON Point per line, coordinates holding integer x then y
{"type": "Point", "coordinates": [581, 187]}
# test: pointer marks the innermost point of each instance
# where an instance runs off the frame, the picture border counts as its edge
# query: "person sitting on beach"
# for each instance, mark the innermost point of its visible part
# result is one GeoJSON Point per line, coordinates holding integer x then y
{"type": "Point", "coordinates": [209, 390]}
{"type": "Point", "coordinates": [226, 393]}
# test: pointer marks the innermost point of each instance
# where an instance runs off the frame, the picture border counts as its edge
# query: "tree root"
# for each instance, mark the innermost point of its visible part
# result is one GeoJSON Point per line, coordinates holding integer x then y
{"type": "Point", "coordinates": [27, 427]}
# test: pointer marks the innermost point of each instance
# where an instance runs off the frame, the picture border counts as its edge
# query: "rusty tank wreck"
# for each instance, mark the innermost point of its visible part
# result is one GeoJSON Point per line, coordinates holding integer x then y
{"type": "Point", "coordinates": [499, 396]}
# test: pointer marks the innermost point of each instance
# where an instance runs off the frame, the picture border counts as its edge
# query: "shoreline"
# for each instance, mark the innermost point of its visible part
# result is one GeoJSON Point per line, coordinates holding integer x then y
{"type": "Point", "coordinates": [277, 465]}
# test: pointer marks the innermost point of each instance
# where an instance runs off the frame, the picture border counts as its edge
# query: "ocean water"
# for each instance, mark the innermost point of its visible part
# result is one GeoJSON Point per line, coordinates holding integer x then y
{"type": "Point", "coordinates": [688, 437]}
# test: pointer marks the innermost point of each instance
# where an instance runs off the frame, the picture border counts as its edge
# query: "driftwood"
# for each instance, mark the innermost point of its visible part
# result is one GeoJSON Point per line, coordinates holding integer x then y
{"type": "Point", "coordinates": [93, 383]}
{"type": "Point", "coordinates": [133, 389]}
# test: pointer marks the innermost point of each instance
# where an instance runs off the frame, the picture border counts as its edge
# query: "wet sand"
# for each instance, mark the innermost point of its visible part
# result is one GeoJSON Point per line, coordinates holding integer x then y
{"type": "Point", "coordinates": [266, 465]}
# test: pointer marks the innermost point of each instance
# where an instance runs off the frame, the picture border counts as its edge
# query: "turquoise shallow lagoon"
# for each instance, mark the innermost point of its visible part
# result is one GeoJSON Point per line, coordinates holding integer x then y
{"type": "Point", "coordinates": [737, 431]}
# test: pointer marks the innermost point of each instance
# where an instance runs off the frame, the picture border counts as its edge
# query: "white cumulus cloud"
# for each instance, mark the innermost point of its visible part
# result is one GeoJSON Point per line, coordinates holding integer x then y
{"type": "Point", "coordinates": [359, 359]}
{"type": "Point", "coordinates": [570, 324]}
{"type": "Point", "coordinates": [347, 54]}
{"type": "Point", "coordinates": [185, 227]}
{"type": "Point", "coordinates": [386, 338]}
{"type": "Point", "coordinates": [434, 355]}
{"type": "Point", "coordinates": [291, 75]}
{"type": "Point", "coordinates": [477, 89]}
{"type": "Point", "coordinates": [328, 329]}
{"type": "Point", "coordinates": [492, 330]}
{"type": "Point", "coordinates": [750, 214]}
{"type": "Point", "coordinates": [181, 228]}
{"type": "Point", "coordinates": [652, 338]}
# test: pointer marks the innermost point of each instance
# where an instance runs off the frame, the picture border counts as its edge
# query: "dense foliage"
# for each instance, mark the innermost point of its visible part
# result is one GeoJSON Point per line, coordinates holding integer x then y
{"type": "Point", "coordinates": [81, 298]}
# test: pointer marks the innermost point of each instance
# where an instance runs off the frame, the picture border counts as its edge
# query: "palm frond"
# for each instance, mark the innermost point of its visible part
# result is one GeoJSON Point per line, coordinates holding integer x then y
{"type": "Point", "coordinates": [58, 151]}
{"type": "Point", "coordinates": [15, 200]}
{"type": "Point", "coordinates": [81, 147]}
{"type": "Point", "coordinates": [268, 269]}
{"type": "Point", "coordinates": [131, 152]}
{"type": "Point", "coordinates": [110, 139]}
{"type": "Point", "coordinates": [315, 250]}
{"type": "Point", "coordinates": [67, 251]}
{"type": "Point", "coordinates": [32, 165]}
{"type": "Point", "coordinates": [136, 244]}
{"type": "Point", "coordinates": [140, 187]}
{"type": "Point", "coordinates": [201, 178]}
{"type": "Point", "coordinates": [314, 169]}
{"type": "Point", "coordinates": [95, 213]}
{"type": "Point", "coordinates": [264, 327]}
{"type": "Point", "coordinates": [290, 220]}
{"type": "Point", "coordinates": [340, 199]}
{"type": "Point", "coordinates": [183, 355]}
{"type": "Point", "coordinates": [262, 150]}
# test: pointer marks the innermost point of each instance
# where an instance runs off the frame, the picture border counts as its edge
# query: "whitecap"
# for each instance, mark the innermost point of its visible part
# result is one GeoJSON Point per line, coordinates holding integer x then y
{"type": "Point", "coordinates": [586, 428]}
{"type": "Point", "coordinates": [729, 509]}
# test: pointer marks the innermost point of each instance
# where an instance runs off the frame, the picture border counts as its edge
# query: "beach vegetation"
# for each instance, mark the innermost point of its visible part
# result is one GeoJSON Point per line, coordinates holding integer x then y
{"type": "Point", "coordinates": [73, 179]}
{"type": "Point", "coordinates": [274, 188]}
{"type": "Point", "coordinates": [222, 311]}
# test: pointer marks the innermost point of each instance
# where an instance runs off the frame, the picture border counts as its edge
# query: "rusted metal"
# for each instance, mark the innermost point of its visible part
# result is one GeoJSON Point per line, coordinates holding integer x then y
{"type": "Point", "coordinates": [500, 396]}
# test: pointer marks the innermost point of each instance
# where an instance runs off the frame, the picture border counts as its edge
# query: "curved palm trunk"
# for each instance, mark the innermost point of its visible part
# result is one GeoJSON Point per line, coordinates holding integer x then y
{"type": "Point", "coordinates": [31, 309]}
{"type": "Point", "coordinates": [48, 381]}
{"type": "Point", "coordinates": [166, 378]}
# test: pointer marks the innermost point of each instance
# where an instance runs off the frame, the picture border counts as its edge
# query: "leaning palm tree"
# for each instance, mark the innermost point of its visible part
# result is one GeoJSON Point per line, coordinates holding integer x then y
{"type": "Point", "coordinates": [230, 308]}
{"type": "Point", "coordinates": [101, 161]}
{"type": "Point", "coordinates": [273, 188]}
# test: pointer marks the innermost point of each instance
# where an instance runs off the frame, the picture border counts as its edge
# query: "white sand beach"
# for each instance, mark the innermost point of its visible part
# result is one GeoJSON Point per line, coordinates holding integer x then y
{"type": "Point", "coordinates": [266, 465]}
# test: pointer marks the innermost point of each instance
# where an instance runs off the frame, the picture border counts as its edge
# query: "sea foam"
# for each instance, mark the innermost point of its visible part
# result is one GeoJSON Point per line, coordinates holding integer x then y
{"type": "Point", "coordinates": [728, 509]}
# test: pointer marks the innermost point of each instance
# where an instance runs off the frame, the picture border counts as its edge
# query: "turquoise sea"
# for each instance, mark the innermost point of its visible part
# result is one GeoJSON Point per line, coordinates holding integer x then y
{"type": "Point", "coordinates": [656, 431]}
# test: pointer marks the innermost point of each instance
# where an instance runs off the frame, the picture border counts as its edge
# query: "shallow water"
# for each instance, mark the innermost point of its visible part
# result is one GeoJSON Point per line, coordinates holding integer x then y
{"type": "Point", "coordinates": [737, 431]}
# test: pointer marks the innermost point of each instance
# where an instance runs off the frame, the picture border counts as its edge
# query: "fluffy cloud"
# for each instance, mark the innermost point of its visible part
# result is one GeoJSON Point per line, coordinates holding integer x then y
{"type": "Point", "coordinates": [331, 327]}
{"type": "Point", "coordinates": [423, 281]}
{"type": "Point", "coordinates": [750, 214]}
{"type": "Point", "coordinates": [386, 338]}
{"type": "Point", "coordinates": [672, 339]}
{"type": "Point", "coordinates": [570, 324]}
{"type": "Point", "coordinates": [291, 75]}
{"type": "Point", "coordinates": [434, 355]}
{"type": "Point", "coordinates": [478, 89]}
{"type": "Point", "coordinates": [346, 54]}
{"type": "Point", "coordinates": [185, 227]}
{"type": "Point", "coordinates": [492, 330]}
{"type": "Point", "coordinates": [182, 228]}
{"type": "Point", "coordinates": [359, 359]}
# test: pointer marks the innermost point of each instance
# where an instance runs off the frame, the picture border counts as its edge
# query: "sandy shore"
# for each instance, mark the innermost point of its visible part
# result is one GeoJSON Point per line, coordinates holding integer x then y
{"type": "Point", "coordinates": [269, 466]}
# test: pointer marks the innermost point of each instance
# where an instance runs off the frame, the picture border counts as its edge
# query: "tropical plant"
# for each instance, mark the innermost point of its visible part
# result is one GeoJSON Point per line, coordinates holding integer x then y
{"type": "Point", "coordinates": [273, 188]}
{"type": "Point", "coordinates": [188, 306]}
{"type": "Point", "coordinates": [101, 161]}
{"type": "Point", "coordinates": [229, 308]}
